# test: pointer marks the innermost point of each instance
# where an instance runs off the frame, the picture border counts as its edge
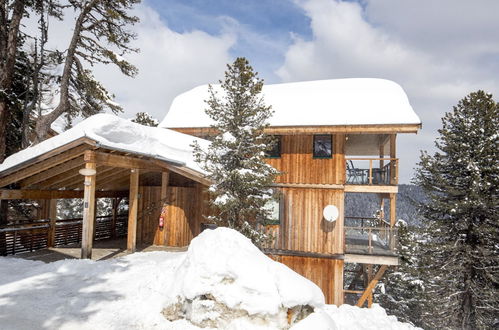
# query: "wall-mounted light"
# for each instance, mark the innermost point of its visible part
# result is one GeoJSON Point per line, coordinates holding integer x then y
{"type": "Point", "coordinates": [331, 213]}
{"type": "Point", "coordinates": [87, 171]}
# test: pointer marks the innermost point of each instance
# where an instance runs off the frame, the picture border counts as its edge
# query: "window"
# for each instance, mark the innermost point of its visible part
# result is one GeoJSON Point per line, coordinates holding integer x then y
{"type": "Point", "coordinates": [275, 151]}
{"type": "Point", "coordinates": [274, 206]}
{"type": "Point", "coordinates": [323, 146]}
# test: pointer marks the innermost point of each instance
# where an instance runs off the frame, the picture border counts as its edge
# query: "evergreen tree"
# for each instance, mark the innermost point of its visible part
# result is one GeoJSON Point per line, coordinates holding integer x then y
{"type": "Point", "coordinates": [461, 180]}
{"type": "Point", "coordinates": [403, 294]}
{"type": "Point", "coordinates": [145, 119]}
{"type": "Point", "coordinates": [235, 159]}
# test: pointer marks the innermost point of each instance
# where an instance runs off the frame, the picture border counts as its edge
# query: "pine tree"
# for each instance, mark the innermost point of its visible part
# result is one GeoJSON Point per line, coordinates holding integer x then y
{"type": "Point", "coordinates": [145, 119]}
{"type": "Point", "coordinates": [235, 159]}
{"type": "Point", "coordinates": [461, 180]}
{"type": "Point", "coordinates": [404, 291]}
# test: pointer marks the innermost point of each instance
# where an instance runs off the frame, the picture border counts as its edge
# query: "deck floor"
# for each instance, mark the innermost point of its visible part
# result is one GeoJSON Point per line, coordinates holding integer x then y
{"type": "Point", "coordinates": [102, 250]}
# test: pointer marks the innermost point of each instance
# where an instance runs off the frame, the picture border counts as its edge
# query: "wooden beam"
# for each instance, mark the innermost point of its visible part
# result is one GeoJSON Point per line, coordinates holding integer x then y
{"type": "Point", "coordinates": [55, 194]}
{"type": "Point", "coordinates": [88, 214]}
{"type": "Point", "coordinates": [308, 185]}
{"type": "Point", "coordinates": [88, 143]}
{"type": "Point", "coordinates": [184, 171]}
{"type": "Point", "coordinates": [371, 285]}
{"type": "Point", "coordinates": [133, 210]}
{"type": "Point", "coordinates": [102, 177]}
{"type": "Point", "coordinates": [371, 259]}
{"type": "Point", "coordinates": [295, 253]}
{"type": "Point", "coordinates": [293, 130]}
{"type": "Point", "coordinates": [115, 175]}
{"type": "Point", "coordinates": [54, 171]}
{"type": "Point", "coordinates": [113, 160]}
{"type": "Point", "coordinates": [62, 180]}
{"type": "Point", "coordinates": [371, 188]}
{"type": "Point", "coordinates": [43, 165]}
{"type": "Point", "coordinates": [52, 222]}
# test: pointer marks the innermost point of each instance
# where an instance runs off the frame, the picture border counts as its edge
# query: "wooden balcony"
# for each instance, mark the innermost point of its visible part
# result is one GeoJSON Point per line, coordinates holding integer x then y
{"type": "Point", "coordinates": [371, 171]}
{"type": "Point", "coordinates": [370, 236]}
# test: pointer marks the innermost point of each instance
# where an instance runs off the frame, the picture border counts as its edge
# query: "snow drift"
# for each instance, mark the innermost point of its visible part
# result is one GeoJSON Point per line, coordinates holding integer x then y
{"type": "Point", "coordinates": [224, 277]}
{"type": "Point", "coordinates": [221, 281]}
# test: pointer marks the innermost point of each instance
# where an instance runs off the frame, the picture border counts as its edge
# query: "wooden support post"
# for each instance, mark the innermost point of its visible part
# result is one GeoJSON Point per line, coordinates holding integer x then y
{"type": "Point", "coordinates": [165, 177]}
{"type": "Point", "coordinates": [338, 294]}
{"type": "Point", "coordinates": [3, 221]}
{"type": "Point", "coordinates": [133, 210]}
{"type": "Point", "coordinates": [381, 155]}
{"type": "Point", "coordinates": [88, 213]}
{"type": "Point", "coordinates": [114, 213]}
{"type": "Point", "coordinates": [393, 163]}
{"type": "Point", "coordinates": [393, 209]}
{"type": "Point", "coordinates": [371, 285]}
{"type": "Point", "coordinates": [52, 222]}
{"type": "Point", "coordinates": [370, 277]}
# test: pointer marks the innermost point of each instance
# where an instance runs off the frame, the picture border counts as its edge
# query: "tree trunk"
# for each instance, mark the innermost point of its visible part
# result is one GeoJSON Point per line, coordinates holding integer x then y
{"type": "Point", "coordinates": [7, 66]}
{"type": "Point", "coordinates": [43, 123]}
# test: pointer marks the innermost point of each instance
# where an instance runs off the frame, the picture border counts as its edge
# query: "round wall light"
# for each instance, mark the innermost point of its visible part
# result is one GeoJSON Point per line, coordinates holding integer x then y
{"type": "Point", "coordinates": [331, 213]}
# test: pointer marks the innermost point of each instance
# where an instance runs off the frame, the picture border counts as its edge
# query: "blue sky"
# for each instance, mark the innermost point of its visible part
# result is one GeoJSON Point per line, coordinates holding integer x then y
{"type": "Point", "coordinates": [438, 51]}
{"type": "Point", "coordinates": [264, 28]}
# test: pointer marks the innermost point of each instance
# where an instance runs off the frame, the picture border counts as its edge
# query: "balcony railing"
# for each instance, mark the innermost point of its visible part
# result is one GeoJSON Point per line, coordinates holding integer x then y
{"type": "Point", "coordinates": [372, 171]}
{"type": "Point", "coordinates": [369, 236]}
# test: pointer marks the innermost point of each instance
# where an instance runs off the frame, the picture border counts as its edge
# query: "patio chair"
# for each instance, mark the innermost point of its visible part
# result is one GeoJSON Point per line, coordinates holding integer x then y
{"type": "Point", "coordinates": [355, 175]}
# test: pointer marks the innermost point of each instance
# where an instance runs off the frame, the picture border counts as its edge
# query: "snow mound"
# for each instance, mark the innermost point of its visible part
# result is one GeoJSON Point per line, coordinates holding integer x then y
{"type": "Point", "coordinates": [224, 277]}
{"type": "Point", "coordinates": [352, 317]}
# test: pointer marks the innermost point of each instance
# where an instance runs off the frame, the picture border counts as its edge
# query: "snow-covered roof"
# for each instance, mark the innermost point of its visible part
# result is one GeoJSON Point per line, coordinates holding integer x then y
{"type": "Point", "coordinates": [112, 132]}
{"type": "Point", "coordinates": [359, 101]}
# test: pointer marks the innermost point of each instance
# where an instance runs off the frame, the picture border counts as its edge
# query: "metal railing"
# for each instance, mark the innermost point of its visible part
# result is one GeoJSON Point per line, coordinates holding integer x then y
{"type": "Point", "coordinates": [371, 171]}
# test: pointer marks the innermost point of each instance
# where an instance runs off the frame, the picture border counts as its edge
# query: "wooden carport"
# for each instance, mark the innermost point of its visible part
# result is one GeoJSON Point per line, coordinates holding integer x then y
{"type": "Point", "coordinates": [109, 172]}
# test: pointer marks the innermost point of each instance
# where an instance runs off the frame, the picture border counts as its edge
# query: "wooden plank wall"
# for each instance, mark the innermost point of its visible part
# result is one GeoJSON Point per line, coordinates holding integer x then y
{"type": "Point", "coordinates": [183, 220]}
{"type": "Point", "coordinates": [299, 166]}
{"type": "Point", "coordinates": [326, 273]}
{"type": "Point", "coordinates": [303, 227]}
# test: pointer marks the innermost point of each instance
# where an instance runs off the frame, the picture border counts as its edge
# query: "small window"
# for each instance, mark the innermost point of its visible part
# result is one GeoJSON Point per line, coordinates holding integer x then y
{"type": "Point", "coordinates": [274, 206]}
{"type": "Point", "coordinates": [275, 151]}
{"type": "Point", "coordinates": [323, 146]}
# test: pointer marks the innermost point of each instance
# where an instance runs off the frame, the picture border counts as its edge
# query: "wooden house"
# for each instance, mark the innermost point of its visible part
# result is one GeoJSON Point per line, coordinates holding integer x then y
{"type": "Point", "coordinates": [336, 137]}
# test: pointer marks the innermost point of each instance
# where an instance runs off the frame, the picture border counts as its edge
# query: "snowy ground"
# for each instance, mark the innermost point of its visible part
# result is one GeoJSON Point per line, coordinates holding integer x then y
{"type": "Point", "coordinates": [221, 281]}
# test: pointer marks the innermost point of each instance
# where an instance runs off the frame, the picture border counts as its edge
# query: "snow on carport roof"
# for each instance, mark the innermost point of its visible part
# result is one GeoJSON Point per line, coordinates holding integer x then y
{"type": "Point", "coordinates": [356, 101]}
{"type": "Point", "coordinates": [110, 131]}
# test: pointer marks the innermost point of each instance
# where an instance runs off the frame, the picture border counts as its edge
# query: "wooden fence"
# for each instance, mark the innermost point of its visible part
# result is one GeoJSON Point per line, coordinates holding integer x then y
{"type": "Point", "coordinates": [31, 236]}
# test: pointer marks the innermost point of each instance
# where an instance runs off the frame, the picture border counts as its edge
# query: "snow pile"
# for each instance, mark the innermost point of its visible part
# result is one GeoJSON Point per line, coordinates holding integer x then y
{"type": "Point", "coordinates": [359, 101]}
{"type": "Point", "coordinates": [225, 277]}
{"type": "Point", "coordinates": [222, 281]}
{"type": "Point", "coordinates": [119, 134]}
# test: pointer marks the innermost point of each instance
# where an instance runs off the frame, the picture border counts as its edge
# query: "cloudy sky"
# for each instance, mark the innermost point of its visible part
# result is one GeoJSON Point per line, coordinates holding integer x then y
{"type": "Point", "coordinates": [438, 51]}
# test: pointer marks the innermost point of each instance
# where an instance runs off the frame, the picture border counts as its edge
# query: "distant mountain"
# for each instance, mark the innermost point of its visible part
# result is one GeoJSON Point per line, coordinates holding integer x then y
{"type": "Point", "coordinates": [365, 205]}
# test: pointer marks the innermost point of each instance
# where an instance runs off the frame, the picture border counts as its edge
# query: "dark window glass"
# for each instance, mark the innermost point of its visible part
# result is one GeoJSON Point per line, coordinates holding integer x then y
{"type": "Point", "coordinates": [275, 151]}
{"type": "Point", "coordinates": [323, 146]}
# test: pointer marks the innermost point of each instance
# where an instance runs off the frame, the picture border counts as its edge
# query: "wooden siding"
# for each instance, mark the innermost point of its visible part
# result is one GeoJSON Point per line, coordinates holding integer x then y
{"type": "Point", "coordinates": [326, 273]}
{"type": "Point", "coordinates": [303, 227]}
{"type": "Point", "coordinates": [299, 166]}
{"type": "Point", "coordinates": [183, 220]}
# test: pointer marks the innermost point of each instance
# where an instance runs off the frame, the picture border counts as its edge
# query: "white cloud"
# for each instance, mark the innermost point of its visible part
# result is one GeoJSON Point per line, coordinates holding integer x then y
{"type": "Point", "coordinates": [169, 63]}
{"type": "Point", "coordinates": [418, 48]}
